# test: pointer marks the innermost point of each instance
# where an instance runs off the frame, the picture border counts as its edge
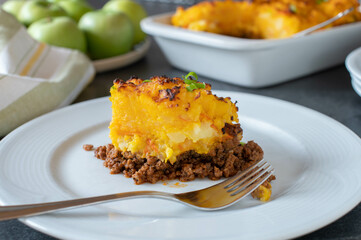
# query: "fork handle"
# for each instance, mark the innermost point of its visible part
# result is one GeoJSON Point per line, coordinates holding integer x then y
{"type": "Point", "coordinates": [17, 211]}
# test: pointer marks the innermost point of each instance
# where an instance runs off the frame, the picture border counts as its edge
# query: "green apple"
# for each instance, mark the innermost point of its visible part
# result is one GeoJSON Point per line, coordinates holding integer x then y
{"type": "Point", "coordinates": [57, 1]}
{"type": "Point", "coordinates": [58, 31]}
{"type": "Point", "coordinates": [108, 34]}
{"type": "Point", "coordinates": [75, 8]}
{"type": "Point", "coordinates": [34, 10]}
{"type": "Point", "coordinates": [133, 10]}
{"type": "Point", "coordinates": [13, 6]}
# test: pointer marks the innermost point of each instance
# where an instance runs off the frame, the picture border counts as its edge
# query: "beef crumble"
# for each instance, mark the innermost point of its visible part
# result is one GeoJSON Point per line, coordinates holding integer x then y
{"type": "Point", "coordinates": [225, 160]}
{"type": "Point", "coordinates": [88, 147]}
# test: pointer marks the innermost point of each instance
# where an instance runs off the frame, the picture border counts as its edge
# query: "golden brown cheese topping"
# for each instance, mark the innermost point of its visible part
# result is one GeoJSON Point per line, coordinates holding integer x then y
{"type": "Point", "coordinates": [264, 19]}
{"type": "Point", "coordinates": [164, 117]}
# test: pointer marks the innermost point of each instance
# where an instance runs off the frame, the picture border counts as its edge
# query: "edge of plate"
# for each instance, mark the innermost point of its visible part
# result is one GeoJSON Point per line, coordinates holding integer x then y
{"type": "Point", "coordinates": [123, 60]}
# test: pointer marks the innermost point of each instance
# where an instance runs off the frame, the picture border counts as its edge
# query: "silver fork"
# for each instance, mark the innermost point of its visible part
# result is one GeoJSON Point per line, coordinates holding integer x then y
{"type": "Point", "coordinates": [218, 196]}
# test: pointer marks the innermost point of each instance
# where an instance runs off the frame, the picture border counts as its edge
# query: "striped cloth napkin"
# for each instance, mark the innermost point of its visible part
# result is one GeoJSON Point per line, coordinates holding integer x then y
{"type": "Point", "coordinates": [35, 78]}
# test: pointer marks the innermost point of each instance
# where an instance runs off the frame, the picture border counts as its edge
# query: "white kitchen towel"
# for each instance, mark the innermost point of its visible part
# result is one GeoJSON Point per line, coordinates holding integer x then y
{"type": "Point", "coordinates": [35, 78]}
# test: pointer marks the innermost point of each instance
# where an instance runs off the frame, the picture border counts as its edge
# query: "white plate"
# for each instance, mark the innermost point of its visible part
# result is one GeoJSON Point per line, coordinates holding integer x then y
{"type": "Point", "coordinates": [317, 162]}
{"type": "Point", "coordinates": [123, 60]}
{"type": "Point", "coordinates": [252, 62]}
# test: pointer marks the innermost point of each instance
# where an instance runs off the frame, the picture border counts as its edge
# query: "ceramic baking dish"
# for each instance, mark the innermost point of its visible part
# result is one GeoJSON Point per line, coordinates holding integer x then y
{"type": "Point", "coordinates": [252, 62]}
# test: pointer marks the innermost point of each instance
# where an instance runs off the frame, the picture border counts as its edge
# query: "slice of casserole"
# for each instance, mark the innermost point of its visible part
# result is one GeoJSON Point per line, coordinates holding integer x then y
{"type": "Point", "coordinates": [172, 128]}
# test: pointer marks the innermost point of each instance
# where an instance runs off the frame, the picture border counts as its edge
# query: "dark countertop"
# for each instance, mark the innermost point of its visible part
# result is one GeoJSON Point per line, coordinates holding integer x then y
{"type": "Point", "coordinates": [328, 92]}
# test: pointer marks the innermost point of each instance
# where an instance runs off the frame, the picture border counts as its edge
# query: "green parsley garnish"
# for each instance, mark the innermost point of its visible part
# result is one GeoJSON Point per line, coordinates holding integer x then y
{"type": "Point", "coordinates": [114, 88]}
{"type": "Point", "coordinates": [191, 80]}
{"type": "Point", "coordinates": [147, 80]}
{"type": "Point", "coordinates": [242, 143]}
{"type": "Point", "coordinates": [293, 8]}
{"type": "Point", "coordinates": [321, 1]}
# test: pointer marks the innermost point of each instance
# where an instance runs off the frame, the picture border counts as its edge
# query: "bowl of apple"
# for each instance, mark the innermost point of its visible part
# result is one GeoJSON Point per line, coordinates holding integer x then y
{"type": "Point", "coordinates": [111, 36]}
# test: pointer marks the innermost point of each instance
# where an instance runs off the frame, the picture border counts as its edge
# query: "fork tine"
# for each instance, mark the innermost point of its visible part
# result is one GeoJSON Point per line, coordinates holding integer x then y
{"type": "Point", "coordinates": [254, 184]}
{"type": "Point", "coordinates": [233, 180]}
{"type": "Point", "coordinates": [247, 178]}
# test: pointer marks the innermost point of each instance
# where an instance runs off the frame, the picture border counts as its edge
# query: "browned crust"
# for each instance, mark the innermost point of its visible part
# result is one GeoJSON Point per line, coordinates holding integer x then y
{"type": "Point", "coordinates": [167, 93]}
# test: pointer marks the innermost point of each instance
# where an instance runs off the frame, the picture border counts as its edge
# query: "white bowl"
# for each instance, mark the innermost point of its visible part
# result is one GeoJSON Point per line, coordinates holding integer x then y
{"type": "Point", "coordinates": [123, 60]}
{"type": "Point", "coordinates": [353, 65]}
{"type": "Point", "coordinates": [356, 85]}
{"type": "Point", "coordinates": [252, 62]}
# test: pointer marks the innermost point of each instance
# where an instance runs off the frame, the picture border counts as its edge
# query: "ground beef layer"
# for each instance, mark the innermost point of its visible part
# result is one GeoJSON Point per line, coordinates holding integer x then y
{"type": "Point", "coordinates": [225, 160]}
